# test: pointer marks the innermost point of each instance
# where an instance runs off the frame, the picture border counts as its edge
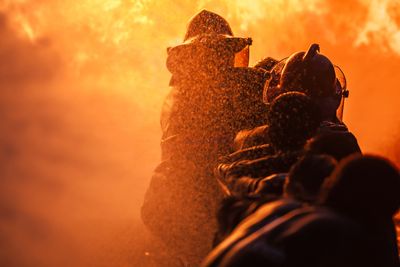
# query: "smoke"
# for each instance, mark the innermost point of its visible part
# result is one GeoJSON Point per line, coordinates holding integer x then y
{"type": "Point", "coordinates": [81, 88]}
{"type": "Point", "coordinates": [76, 153]}
{"type": "Point", "coordinates": [382, 25]}
{"type": "Point", "coordinates": [23, 62]}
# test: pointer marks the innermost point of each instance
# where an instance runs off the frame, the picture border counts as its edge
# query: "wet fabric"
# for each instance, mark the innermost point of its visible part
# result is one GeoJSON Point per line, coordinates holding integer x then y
{"type": "Point", "coordinates": [367, 189]}
{"type": "Point", "coordinates": [242, 177]}
{"type": "Point", "coordinates": [250, 138]}
{"type": "Point", "coordinates": [199, 121]}
{"type": "Point", "coordinates": [259, 136]}
{"type": "Point", "coordinates": [293, 118]}
{"type": "Point", "coordinates": [303, 237]}
{"type": "Point", "coordinates": [234, 209]}
{"type": "Point", "coordinates": [178, 211]}
{"type": "Point", "coordinates": [264, 215]}
{"type": "Point", "coordinates": [382, 239]}
{"type": "Point", "coordinates": [206, 115]}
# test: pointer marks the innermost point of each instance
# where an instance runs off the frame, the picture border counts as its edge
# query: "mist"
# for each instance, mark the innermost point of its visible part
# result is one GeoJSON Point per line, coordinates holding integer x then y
{"type": "Point", "coordinates": [81, 89]}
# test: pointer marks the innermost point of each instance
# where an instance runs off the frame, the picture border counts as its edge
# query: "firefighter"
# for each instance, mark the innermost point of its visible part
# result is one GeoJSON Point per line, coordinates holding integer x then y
{"type": "Point", "coordinates": [213, 95]}
{"type": "Point", "coordinates": [351, 226]}
{"type": "Point", "coordinates": [315, 75]}
{"type": "Point", "coordinates": [294, 118]}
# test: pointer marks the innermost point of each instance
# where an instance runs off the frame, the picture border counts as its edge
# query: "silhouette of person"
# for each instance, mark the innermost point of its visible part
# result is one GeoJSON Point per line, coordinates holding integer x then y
{"type": "Point", "coordinates": [212, 96]}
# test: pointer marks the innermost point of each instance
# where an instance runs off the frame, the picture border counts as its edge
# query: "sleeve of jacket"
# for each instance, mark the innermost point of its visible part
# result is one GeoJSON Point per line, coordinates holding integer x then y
{"type": "Point", "coordinates": [242, 177]}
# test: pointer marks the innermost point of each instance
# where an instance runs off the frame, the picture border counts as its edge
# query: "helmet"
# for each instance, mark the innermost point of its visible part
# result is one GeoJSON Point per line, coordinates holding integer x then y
{"type": "Point", "coordinates": [206, 49]}
{"type": "Point", "coordinates": [308, 72]}
{"type": "Point", "coordinates": [208, 46]}
{"type": "Point", "coordinates": [209, 23]}
{"type": "Point", "coordinates": [206, 22]}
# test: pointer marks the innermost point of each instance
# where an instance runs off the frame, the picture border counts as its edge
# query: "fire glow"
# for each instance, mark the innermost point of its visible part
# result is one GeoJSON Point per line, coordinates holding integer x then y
{"type": "Point", "coordinates": [113, 52]}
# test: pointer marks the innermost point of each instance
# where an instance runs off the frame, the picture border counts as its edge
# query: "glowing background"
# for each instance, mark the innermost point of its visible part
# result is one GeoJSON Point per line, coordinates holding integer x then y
{"type": "Point", "coordinates": [81, 86]}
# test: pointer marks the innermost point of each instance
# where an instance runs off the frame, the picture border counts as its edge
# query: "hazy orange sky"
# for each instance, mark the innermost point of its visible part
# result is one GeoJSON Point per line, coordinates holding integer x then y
{"type": "Point", "coordinates": [118, 47]}
{"type": "Point", "coordinates": [82, 84]}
